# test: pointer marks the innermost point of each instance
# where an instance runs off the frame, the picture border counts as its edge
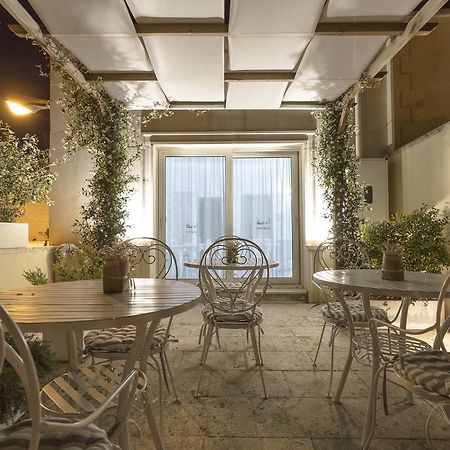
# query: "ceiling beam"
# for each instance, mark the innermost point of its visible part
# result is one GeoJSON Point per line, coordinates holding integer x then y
{"type": "Point", "coordinates": [369, 29]}
{"type": "Point", "coordinates": [33, 30]}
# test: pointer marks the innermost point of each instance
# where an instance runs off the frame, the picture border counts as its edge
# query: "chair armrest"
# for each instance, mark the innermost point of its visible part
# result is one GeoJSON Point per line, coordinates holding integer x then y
{"type": "Point", "coordinates": [378, 323]}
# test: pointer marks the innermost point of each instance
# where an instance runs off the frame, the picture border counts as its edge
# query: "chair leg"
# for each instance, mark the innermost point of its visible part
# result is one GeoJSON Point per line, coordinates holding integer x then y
{"type": "Point", "coordinates": [217, 337]}
{"type": "Point", "coordinates": [207, 343]}
{"type": "Point", "coordinates": [166, 362]}
{"type": "Point", "coordinates": [257, 351]}
{"type": "Point", "coordinates": [371, 412]}
{"type": "Point", "coordinates": [163, 367]}
{"type": "Point", "coordinates": [318, 346]}
{"type": "Point", "coordinates": [334, 331]}
{"type": "Point", "coordinates": [158, 369]}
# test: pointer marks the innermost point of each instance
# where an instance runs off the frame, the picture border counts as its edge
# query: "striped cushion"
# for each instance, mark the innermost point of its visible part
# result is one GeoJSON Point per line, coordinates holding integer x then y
{"type": "Point", "coordinates": [119, 339]}
{"type": "Point", "coordinates": [335, 311]}
{"type": "Point", "coordinates": [238, 313]}
{"type": "Point", "coordinates": [90, 437]}
{"type": "Point", "coordinates": [429, 369]}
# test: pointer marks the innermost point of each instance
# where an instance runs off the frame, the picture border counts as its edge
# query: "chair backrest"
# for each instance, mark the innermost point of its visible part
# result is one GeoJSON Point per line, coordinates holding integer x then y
{"type": "Point", "coordinates": [234, 274]}
{"type": "Point", "coordinates": [442, 327]}
{"type": "Point", "coordinates": [22, 362]}
{"type": "Point", "coordinates": [151, 258]}
{"type": "Point", "coordinates": [340, 254]}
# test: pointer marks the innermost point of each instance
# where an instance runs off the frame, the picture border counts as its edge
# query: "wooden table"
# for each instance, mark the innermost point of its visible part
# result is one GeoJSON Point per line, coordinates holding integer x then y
{"type": "Point", "coordinates": [82, 305]}
{"type": "Point", "coordinates": [367, 282]}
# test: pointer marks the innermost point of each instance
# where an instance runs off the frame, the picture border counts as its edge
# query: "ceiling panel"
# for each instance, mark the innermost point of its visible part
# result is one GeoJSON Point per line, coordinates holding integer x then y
{"type": "Point", "coordinates": [137, 95]}
{"type": "Point", "coordinates": [146, 11]}
{"type": "Point", "coordinates": [316, 90]}
{"type": "Point", "coordinates": [99, 33]}
{"type": "Point", "coordinates": [268, 35]}
{"type": "Point", "coordinates": [189, 68]}
{"type": "Point", "coordinates": [367, 10]}
{"type": "Point", "coordinates": [257, 95]}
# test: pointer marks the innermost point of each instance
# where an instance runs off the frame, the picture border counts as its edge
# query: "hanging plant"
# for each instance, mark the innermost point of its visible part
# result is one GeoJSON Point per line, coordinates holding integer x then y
{"type": "Point", "coordinates": [337, 169]}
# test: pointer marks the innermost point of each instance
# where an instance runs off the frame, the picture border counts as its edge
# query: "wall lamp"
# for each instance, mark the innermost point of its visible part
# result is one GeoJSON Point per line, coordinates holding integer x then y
{"type": "Point", "coordinates": [21, 106]}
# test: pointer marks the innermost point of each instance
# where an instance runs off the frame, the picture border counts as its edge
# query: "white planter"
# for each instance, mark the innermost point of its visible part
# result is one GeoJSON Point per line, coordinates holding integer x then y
{"type": "Point", "coordinates": [13, 235]}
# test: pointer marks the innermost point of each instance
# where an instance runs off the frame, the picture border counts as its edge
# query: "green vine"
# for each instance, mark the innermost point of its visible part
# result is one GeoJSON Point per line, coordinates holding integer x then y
{"type": "Point", "coordinates": [103, 127]}
{"type": "Point", "coordinates": [337, 169]}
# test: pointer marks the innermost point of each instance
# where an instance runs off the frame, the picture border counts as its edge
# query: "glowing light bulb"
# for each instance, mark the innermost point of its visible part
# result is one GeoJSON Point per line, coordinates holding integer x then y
{"type": "Point", "coordinates": [17, 108]}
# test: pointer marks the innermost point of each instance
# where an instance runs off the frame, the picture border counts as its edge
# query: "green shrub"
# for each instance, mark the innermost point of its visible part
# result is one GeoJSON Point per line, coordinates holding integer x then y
{"type": "Point", "coordinates": [83, 263]}
{"type": "Point", "coordinates": [421, 235]}
{"type": "Point", "coordinates": [13, 400]}
{"type": "Point", "coordinates": [35, 277]}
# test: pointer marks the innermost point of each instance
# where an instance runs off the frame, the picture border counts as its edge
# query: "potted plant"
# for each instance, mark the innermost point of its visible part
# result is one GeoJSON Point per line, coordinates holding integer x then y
{"type": "Point", "coordinates": [116, 267]}
{"type": "Point", "coordinates": [24, 178]}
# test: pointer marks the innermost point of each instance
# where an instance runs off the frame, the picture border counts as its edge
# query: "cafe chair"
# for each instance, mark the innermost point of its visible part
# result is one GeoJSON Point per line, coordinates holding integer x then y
{"type": "Point", "coordinates": [39, 432]}
{"type": "Point", "coordinates": [149, 258]}
{"type": "Point", "coordinates": [233, 307]}
{"type": "Point", "coordinates": [344, 254]}
{"type": "Point", "coordinates": [418, 367]}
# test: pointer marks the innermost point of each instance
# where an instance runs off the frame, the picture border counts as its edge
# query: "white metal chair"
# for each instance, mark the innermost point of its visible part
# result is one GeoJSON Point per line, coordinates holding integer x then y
{"type": "Point", "coordinates": [38, 432]}
{"type": "Point", "coordinates": [418, 367]}
{"type": "Point", "coordinates": [233, 306]}
{"type": "Point", "coordinates": [341, 255]}
{"type": "Point", "coordinates": [149, 258]}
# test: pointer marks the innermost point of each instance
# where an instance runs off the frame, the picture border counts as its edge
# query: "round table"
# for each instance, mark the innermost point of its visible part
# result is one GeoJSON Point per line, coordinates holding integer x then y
{"type": "Point", "coordinates": [220, 264]}
{"type": "Point", "coordinates": [82, 305]}
{"type": "Point", "coordinates": [367, 282]}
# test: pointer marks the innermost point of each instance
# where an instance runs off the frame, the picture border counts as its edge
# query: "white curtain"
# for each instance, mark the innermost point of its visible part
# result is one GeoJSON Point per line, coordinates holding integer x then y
{"type": "Point", "coordinates": [262, 203]}
{"type": "Point", "coordinates": [195, 206]}
{"type": "Point", "coordinates": [317, 228]}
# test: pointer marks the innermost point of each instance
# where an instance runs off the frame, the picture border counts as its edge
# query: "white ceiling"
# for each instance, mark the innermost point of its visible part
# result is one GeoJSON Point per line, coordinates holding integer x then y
{"type": "Point", "coordinates": [262, 35]}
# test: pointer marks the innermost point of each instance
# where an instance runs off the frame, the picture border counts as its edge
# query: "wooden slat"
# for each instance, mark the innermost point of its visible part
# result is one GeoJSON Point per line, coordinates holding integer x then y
{"type": "Point", "coordinates": [59, 401]}
{"type": "Point", "coordinates": [369, 29]}
{"type": "Point", "coordinates": [94, 393]}
{"type": "Point", "coordinates": [75, 395]}
{"type": "Point", "coordinates": [109, 387]}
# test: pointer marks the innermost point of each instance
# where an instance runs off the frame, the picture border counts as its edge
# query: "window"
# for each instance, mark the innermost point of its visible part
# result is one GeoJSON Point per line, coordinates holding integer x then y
{"type": "Point", "coordinates": [253, 195]}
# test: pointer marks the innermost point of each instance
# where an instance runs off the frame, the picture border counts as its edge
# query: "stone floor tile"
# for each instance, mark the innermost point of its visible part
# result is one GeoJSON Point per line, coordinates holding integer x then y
{"type": "Point", "coordinates": [376, 444]}
{"type": "Point", "coordinates": [258, 444]}
{"type": "Point", "coordinates": [220, 360]}
{"type": "Point", "coordinates": [282, 360]}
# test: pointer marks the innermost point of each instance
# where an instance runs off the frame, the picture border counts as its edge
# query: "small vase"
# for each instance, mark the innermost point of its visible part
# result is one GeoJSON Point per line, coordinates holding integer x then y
{"type": "Point", "coordinates": [232, 254]}
{"type": "Point", "coordinates": [392, 267]}
{"type": "Point", "coordinates": [116, 274]}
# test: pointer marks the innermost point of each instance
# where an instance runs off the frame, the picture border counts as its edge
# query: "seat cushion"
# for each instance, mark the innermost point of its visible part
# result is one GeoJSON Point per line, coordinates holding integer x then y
{"type": "Point", "coordinates": [238, 313]}
{"type": "Point", "coordinates": [335, 311]}
{"type": "Point", "coordinates": [429, 369]}
{"type": "Point", "coordinates": [119, 339]}
{"type": "Point", "coordinates": [90, 437]}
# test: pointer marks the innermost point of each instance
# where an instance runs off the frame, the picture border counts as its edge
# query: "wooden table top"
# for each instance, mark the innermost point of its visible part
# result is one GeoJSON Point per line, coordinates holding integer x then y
{"type": "Point", "coordinates": [219, 264]}
{"type": "Point", "coordinates": [415, 284]}
{"type": "Point", "coordinates": [83, 304]}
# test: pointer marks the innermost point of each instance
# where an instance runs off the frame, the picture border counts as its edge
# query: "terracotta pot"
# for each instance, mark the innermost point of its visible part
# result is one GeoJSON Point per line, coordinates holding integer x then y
{"type": "Point", "coordinates": [392, 267]}
{"type": "Point", "coordinates": [116, 275]}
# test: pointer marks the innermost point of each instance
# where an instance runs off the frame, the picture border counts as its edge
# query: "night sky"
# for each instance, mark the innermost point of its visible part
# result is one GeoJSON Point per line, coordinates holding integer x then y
{"type": "Point", "coordinates": [20, 76]}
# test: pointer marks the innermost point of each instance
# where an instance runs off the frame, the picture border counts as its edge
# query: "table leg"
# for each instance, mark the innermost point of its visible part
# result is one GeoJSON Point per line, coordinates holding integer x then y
{"type": "Point", "coordinates": [126, 397]}
{"type": "Point", "coordinates": [348, 362]}
{"type": "Point", "coordinates": [72, 350]}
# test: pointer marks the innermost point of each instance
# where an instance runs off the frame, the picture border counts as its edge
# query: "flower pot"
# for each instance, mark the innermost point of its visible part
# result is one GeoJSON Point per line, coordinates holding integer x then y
{"type": "Point", "coordinates": [13, 235]}
{"type": "Point", "coordinates": [116, 276]}
{"type": "Point", "coordinates": [392, 267]}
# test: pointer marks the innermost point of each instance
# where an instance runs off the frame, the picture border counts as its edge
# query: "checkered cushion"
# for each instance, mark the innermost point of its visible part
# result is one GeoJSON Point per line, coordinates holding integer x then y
{"type": "Point", "coordinates": [429, 369]}
{"type": "Point", "coordinates": [229, 313]}
{"type": "Point", "coordinates": [90, 437]}
{"type": "Point", "coordinates": [335, 311]}
{"type": "Point", "coordinates": [119, 339]}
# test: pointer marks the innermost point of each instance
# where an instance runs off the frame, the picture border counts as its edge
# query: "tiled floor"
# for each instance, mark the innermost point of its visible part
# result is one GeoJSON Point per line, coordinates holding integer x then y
{"type": "Point", "coordinates": [232, 414]}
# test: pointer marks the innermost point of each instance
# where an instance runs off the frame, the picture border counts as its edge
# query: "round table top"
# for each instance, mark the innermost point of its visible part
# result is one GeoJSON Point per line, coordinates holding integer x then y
{"type": "Point", "coordinates": [415, 284]}
{"type": "Point", "coordinates": [83, 304]}
{"type": "Point", "coordinates": [219, 264]}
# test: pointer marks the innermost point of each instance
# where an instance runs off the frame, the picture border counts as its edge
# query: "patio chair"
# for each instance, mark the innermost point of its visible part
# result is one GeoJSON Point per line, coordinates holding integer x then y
{"type": "Point", "coordinates": [149, 258]}
{"type": "Point", "coordinates": [38, 432]}
{"type": "Point", "coordinates": [342, 255]}
{"type": "Point", "coordinates": [236, 307]}
{"type": "Point", "coordinates": [417, 366]}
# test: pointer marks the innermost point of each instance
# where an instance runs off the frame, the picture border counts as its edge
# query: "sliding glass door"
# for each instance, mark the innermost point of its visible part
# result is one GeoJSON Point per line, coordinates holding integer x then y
{"type": "Point", "coordinates": [249, 195]}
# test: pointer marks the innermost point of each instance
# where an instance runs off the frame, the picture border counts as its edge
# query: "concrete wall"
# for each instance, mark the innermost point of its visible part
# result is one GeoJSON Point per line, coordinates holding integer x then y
{"type": "Point", "coordinates": [422, 84]}
{"type": "Point", "coordinates": [419, 172]}
{"type": "Point", "coordinates": [14, 261]}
